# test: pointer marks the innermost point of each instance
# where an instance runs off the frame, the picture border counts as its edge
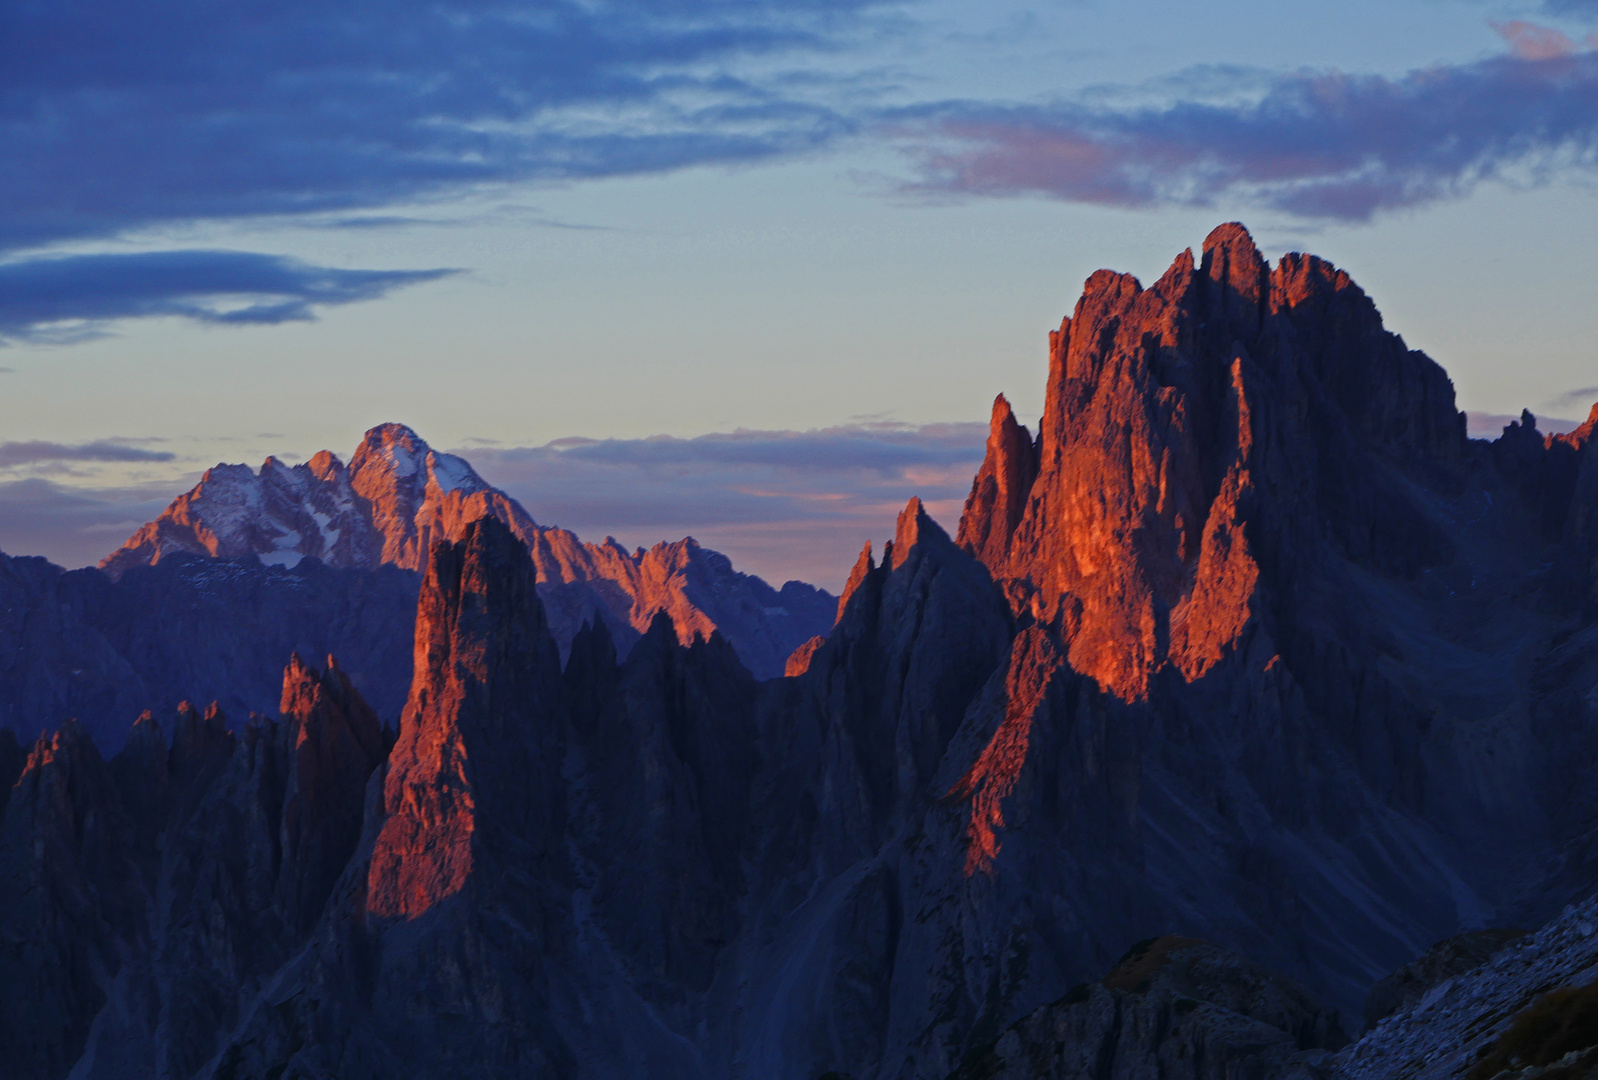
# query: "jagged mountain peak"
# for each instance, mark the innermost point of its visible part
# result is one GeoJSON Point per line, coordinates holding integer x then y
{"type": "Point", "coordinates": [398, 496]}
{"type": "Point", "coordinates": [481, 730]}
{"type": "Point", "coordinates": [914, 526]}
{"type": "Point", "coordinates": [1277, 659]}
{"type": "Point", "coordinates": [395, 455]}
{"type": "Point", "coordinates": [381, 508]}
{"type": "Point", "coordinates": [863, 566]}
{"type": "Point", "coordinates": [1189, 410]}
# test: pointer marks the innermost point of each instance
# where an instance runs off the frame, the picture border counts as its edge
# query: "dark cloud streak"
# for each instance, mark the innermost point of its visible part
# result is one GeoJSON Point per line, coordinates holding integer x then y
{"type": "Point", "coordinates": [117, 114]}
{"type": "Point", "coordinates": [69, 297]}
{"type": "Point", "coordinates": [1580, 399]}
{"type": "Point", "coordinates": [14, 454]}
{"type": "Point", "coordinates": [1579, 8]}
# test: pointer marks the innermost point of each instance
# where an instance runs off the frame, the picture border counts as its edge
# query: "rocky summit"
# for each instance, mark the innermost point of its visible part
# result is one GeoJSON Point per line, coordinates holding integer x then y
{"type": "Point", "coordinates": [398, 497]}
{"type": "Point", "coordinates": [1245, 727]}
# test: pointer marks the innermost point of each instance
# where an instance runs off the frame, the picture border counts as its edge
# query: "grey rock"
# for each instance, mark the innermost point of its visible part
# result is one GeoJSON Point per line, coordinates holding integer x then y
{"type": "Point", "coordinates": [1444, 960]}
{"type": "Point", "coordinates": [1174, 1007]}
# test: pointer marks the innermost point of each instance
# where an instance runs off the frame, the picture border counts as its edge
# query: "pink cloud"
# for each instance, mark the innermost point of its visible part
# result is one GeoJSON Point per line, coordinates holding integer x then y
{"type": "Point", "coordinates": [1314, 144]}
{"type": "Point", "coordinates": [1529, 41]}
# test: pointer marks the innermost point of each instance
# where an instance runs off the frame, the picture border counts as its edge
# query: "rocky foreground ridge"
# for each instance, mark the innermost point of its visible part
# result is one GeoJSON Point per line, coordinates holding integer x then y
{"type": "Point", "coordinates": [1249, 657]}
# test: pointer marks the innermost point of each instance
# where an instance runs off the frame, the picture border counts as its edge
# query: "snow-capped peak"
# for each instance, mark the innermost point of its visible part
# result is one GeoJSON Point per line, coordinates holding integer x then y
{"type": "Point", "coordinates": [451, 473]}
{"type": "Point", "coordinates": [395, 445]}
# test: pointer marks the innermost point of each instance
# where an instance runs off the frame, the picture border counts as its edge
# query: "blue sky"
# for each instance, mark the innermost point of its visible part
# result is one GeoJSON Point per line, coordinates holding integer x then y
{"type": "Point", "coordinates": [531, 230]}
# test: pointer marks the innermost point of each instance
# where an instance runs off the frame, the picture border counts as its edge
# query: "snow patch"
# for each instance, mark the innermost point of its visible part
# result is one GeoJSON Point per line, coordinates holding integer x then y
{"type": "Point", "coordinates": [285, 551]}
{"type": "Point", "coordinates": [329, 536]}
{"type": "Point", "coordinates": [406, 461]}
{"type": "Point", "coordinates": [451, 473]}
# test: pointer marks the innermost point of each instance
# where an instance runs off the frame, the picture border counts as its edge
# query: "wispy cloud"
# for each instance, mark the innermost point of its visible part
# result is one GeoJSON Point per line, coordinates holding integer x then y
{"type": "Point", "coordinates": [72, 526]}
{"type": "Point", "coordinates": [14, 454]}
{"type": "Point", "coordinates": [127, 113]}
{"type": "Point", "coordinates": [1579, 400]}
{"type": "Point", "coordinates": [1532, 41]}
{"type": "Point", "coordinates": [785, 504]}
{"type": "Point", "coordinates": [72, 297]}
{"type": "Point", "coordinates": [1317, 145]}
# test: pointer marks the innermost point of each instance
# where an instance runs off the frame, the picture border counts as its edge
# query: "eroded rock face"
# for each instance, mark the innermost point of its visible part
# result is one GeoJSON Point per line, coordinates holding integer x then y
{"type": "Point", "coordinates": [54, 661]}
{"type": "Point", "coordinates": [1133, 540]}
{"type": "Point", "coordinates": [1474, 1025]}
{"type": "Point", "coordinates": [77, 645]}
{"type": "Point", "coordinates": [669, 754]}
{"type": "Point", "coordinates": [513, 923]}
{"type": "Point", "coordinates": [334, 742]}
{"type": "Point", "coordinates": [1578, 562]}
{"type": "Point", "coordinates": [1242, 479]}
{"type": "Point", "coordinates": [998, 496]}
{"type": "Point", "coordinates": [481, 739]}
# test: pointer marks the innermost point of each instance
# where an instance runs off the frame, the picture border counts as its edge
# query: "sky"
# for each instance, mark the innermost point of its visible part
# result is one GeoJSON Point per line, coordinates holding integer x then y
{"type": "Point", "coordinates": [752, 271]}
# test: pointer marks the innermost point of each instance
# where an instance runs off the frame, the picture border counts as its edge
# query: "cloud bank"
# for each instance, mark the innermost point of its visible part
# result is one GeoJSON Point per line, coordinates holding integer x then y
{"type": "Point", "coordinates": [1316, 145]}
{"type": "Point", "coordinates": [68, 297]}
{"type": "Point", "coordinates": [127, 113]}
{"type": "Point", "coordinates": [69, 525]}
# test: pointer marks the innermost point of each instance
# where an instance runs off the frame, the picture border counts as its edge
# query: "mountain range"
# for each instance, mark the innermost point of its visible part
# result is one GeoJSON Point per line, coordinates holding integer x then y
{"type": "Point", "coordinates": [205, 601]}
{"type": "Point", "coordinates": [1251, 705]}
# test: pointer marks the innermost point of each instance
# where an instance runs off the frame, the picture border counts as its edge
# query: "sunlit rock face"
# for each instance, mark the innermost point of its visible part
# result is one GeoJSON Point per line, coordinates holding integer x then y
{"type": "Point", "coordinates": [1224, 400]}
{"type": "Point", "coordinates": [394, 498]}
{"type": "Point", "coordinates": [398, 496]}
{"type": "Point", "coordinates": [1248, 646]}
{"type": "Point", "coordinates": [481, 740]}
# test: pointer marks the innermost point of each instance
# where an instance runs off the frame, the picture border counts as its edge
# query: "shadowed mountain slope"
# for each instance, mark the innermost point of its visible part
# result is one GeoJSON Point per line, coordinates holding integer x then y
{"type": "Point", "coordinates": [1249, 646]}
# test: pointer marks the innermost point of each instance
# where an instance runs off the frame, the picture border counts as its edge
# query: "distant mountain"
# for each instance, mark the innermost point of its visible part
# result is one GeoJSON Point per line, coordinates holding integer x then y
{"type": "Point", "coordinates": [1251, 670]}
{"type": "Point", "coordinates": [398, 496]}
